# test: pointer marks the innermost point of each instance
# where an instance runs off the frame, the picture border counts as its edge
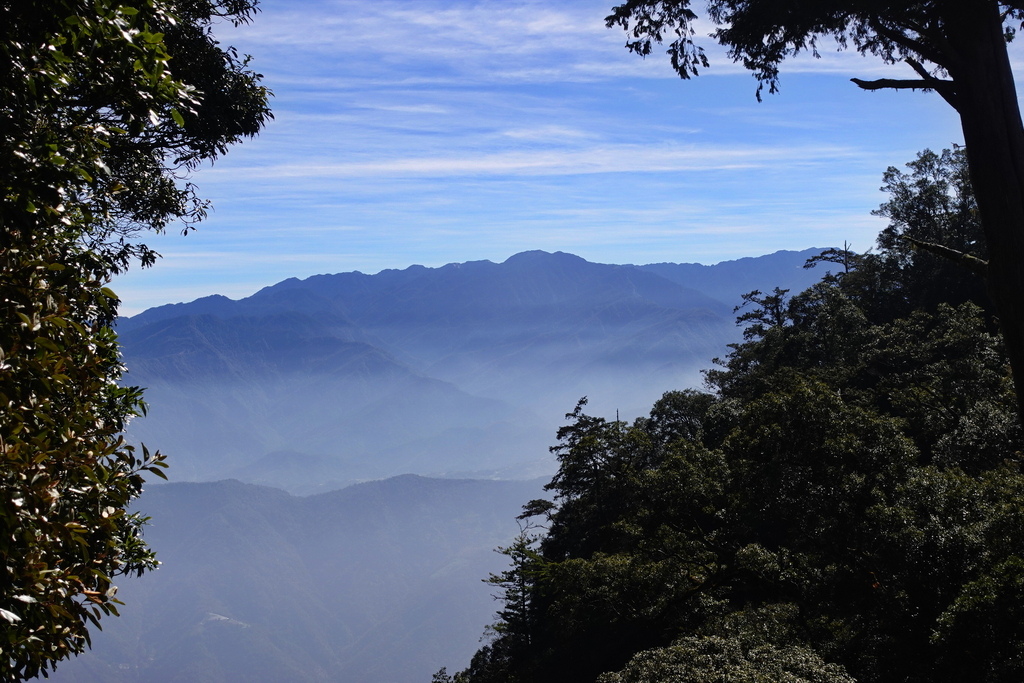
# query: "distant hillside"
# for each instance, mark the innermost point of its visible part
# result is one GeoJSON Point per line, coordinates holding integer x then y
{"type": "Point", "coordinates": [376, 583]}
{"type": "Point", "coordinates": [464, 370]}
{"type": "Point", "coordinates": [728, 280]}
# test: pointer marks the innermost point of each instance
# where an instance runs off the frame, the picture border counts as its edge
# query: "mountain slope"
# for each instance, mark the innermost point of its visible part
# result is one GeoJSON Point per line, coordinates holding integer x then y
{"type": "Point", "coordinates": [377, 583]}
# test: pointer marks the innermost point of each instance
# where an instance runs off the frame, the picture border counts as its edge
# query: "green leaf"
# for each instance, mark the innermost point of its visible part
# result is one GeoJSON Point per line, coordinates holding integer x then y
{"type": "Point", "coordinates": [47, 344]}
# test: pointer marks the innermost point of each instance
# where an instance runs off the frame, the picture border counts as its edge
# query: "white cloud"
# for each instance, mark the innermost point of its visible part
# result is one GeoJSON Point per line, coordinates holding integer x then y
{"type": "Point", "coordinates": [470, 37]}
{"type": "Point", "coordinates": [479, 41]}
{"type": "Point", "coordinates": [550, 133]}
{"type": "Point", "coordinates": [596, 159]}
{"type": "Point", "coordinates": [422, 131]}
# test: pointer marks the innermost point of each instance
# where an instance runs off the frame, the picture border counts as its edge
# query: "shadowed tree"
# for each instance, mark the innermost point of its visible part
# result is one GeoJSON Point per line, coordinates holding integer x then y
{"type": "Point", "coordinates": [955, 48]}
{"type": "Point", "coordinates": [845, 506]}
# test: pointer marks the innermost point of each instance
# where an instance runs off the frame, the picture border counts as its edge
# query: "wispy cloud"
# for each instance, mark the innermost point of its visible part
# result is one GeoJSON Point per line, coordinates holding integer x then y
{"type": "Point", "coordinates": [430, 131]}
{"type": "Point", "coordinates": [549, 133]}
{"type": "Point", "coordinates": [598, 159]}
{"type": "Point", "coordinates": [450, 40]}
{"type": "Point", "coordinates": [486, 41]}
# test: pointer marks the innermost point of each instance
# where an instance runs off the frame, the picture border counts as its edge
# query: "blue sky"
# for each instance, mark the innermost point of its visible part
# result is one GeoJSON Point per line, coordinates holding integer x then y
{"type": "Point", "coordinates": [428, 132]}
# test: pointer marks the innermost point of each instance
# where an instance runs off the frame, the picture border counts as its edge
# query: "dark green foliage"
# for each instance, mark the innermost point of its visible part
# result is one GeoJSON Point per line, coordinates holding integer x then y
{"type": "Point", "coordinates": [932, 205]}
{"type": "Point", "coordinates": [761, 34]}
{"type": "Point", "coordinates": [714, 659]}
{"type": "Point", "coordinates": [845, 505]}
{"type": "Point", "coordinates": [94, 131]}
{"type": "Point", "coordinates": [956, 49]}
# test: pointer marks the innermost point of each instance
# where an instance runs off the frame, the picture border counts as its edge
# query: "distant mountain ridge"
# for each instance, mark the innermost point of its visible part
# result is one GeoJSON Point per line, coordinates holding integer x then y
{"type": "Point", "coordinates": [358, 293]}
{"type": "Point", "coordinates": [464, 368]}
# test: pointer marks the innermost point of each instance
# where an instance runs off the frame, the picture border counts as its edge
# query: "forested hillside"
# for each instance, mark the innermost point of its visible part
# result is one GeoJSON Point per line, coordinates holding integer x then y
{"type": "Point", "coordinates": [843, 504]}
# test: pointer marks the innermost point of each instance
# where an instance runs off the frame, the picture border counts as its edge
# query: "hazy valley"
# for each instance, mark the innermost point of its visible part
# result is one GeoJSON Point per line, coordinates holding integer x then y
{"type": "Point", "coordinates": [293, 570]}
{"type": "Point", "coordinates": [464, 370]}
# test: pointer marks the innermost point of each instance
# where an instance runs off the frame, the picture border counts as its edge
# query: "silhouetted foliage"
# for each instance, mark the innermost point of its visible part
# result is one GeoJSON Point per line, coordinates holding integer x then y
{"type": "Point", "coordinates": [955, 48]}
{"type": "Point", "coordinates": [844, 504]}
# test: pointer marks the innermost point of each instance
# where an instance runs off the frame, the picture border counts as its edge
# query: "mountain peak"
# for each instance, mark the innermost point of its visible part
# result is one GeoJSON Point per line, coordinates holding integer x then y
{"type": "Point", "coordinates": [539, 257]}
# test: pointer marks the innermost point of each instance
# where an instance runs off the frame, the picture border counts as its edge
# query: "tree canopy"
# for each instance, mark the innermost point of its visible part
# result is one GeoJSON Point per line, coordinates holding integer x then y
{"type": "Point", "coordinates": [844, 504]}
{"type": "Point", "coordinates": [956, 48]}
{"type": "Point", "coordinates": [106, 107]}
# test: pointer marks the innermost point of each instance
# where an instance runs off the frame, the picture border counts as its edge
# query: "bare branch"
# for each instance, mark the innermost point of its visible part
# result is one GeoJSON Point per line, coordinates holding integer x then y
{"type": "Point", "coordinates": [972, 263]}
{"type": "Point", "coordinates": [944, 88]}
{"type": "Point", "coordinates": [919, 68]}
{"type": "Point", "coordinates": [947, 89]}
{"type": "Point", "coordinates": [894, 83]}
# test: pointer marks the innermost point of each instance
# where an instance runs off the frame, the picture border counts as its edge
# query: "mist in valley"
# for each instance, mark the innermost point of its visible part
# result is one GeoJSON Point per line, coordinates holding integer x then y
{"type": "Point", "coordinates": [348, 451]}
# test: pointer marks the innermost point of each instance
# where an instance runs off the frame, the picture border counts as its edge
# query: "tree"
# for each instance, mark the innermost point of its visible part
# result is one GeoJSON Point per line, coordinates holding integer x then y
{"type": "Point", "coordinates": [105, 108]}
{"type": "Point", "coordinates": [846, 504]}
{"type": "Point", "coordinates": [956, 48]}
{"type": "Point", "coordinates": [934, 236]}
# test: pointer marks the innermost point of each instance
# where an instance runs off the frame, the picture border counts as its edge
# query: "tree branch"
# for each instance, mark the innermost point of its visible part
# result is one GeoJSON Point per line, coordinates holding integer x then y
{"type": "Point", "coordinates": [909, 44]}
{"type": "Point", "coordinates": [894, 83]}
{"type": "Point", "coordinates": [972, 263]}
{"type": "Point", "coordinates": [919, 68]}
{"type": "Point", "coordinates": [947, 89]}
{"type": "Point", "coordinates": [944, 88]}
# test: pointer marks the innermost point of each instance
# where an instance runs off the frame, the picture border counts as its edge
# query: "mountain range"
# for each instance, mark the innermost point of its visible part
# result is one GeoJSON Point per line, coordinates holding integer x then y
{"type": "Point", "coordinates": [463, 370]}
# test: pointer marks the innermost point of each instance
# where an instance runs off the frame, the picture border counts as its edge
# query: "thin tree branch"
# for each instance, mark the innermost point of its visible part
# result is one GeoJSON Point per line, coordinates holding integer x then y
{"type": "Point", "coordinates": [919, 68]}
{"type": "Point", "coordinates": [947, 89]}
{"type": "Point", "coordinates": [921, 48]}
{"type": "Point", "coordinates": [895, 84]}
{"type": "Point", "coordinates": [972, 263]}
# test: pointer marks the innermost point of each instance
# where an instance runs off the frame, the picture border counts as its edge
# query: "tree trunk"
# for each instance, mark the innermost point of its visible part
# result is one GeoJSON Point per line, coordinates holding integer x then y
{"type": "Point", "coordinates": [994, 135]}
